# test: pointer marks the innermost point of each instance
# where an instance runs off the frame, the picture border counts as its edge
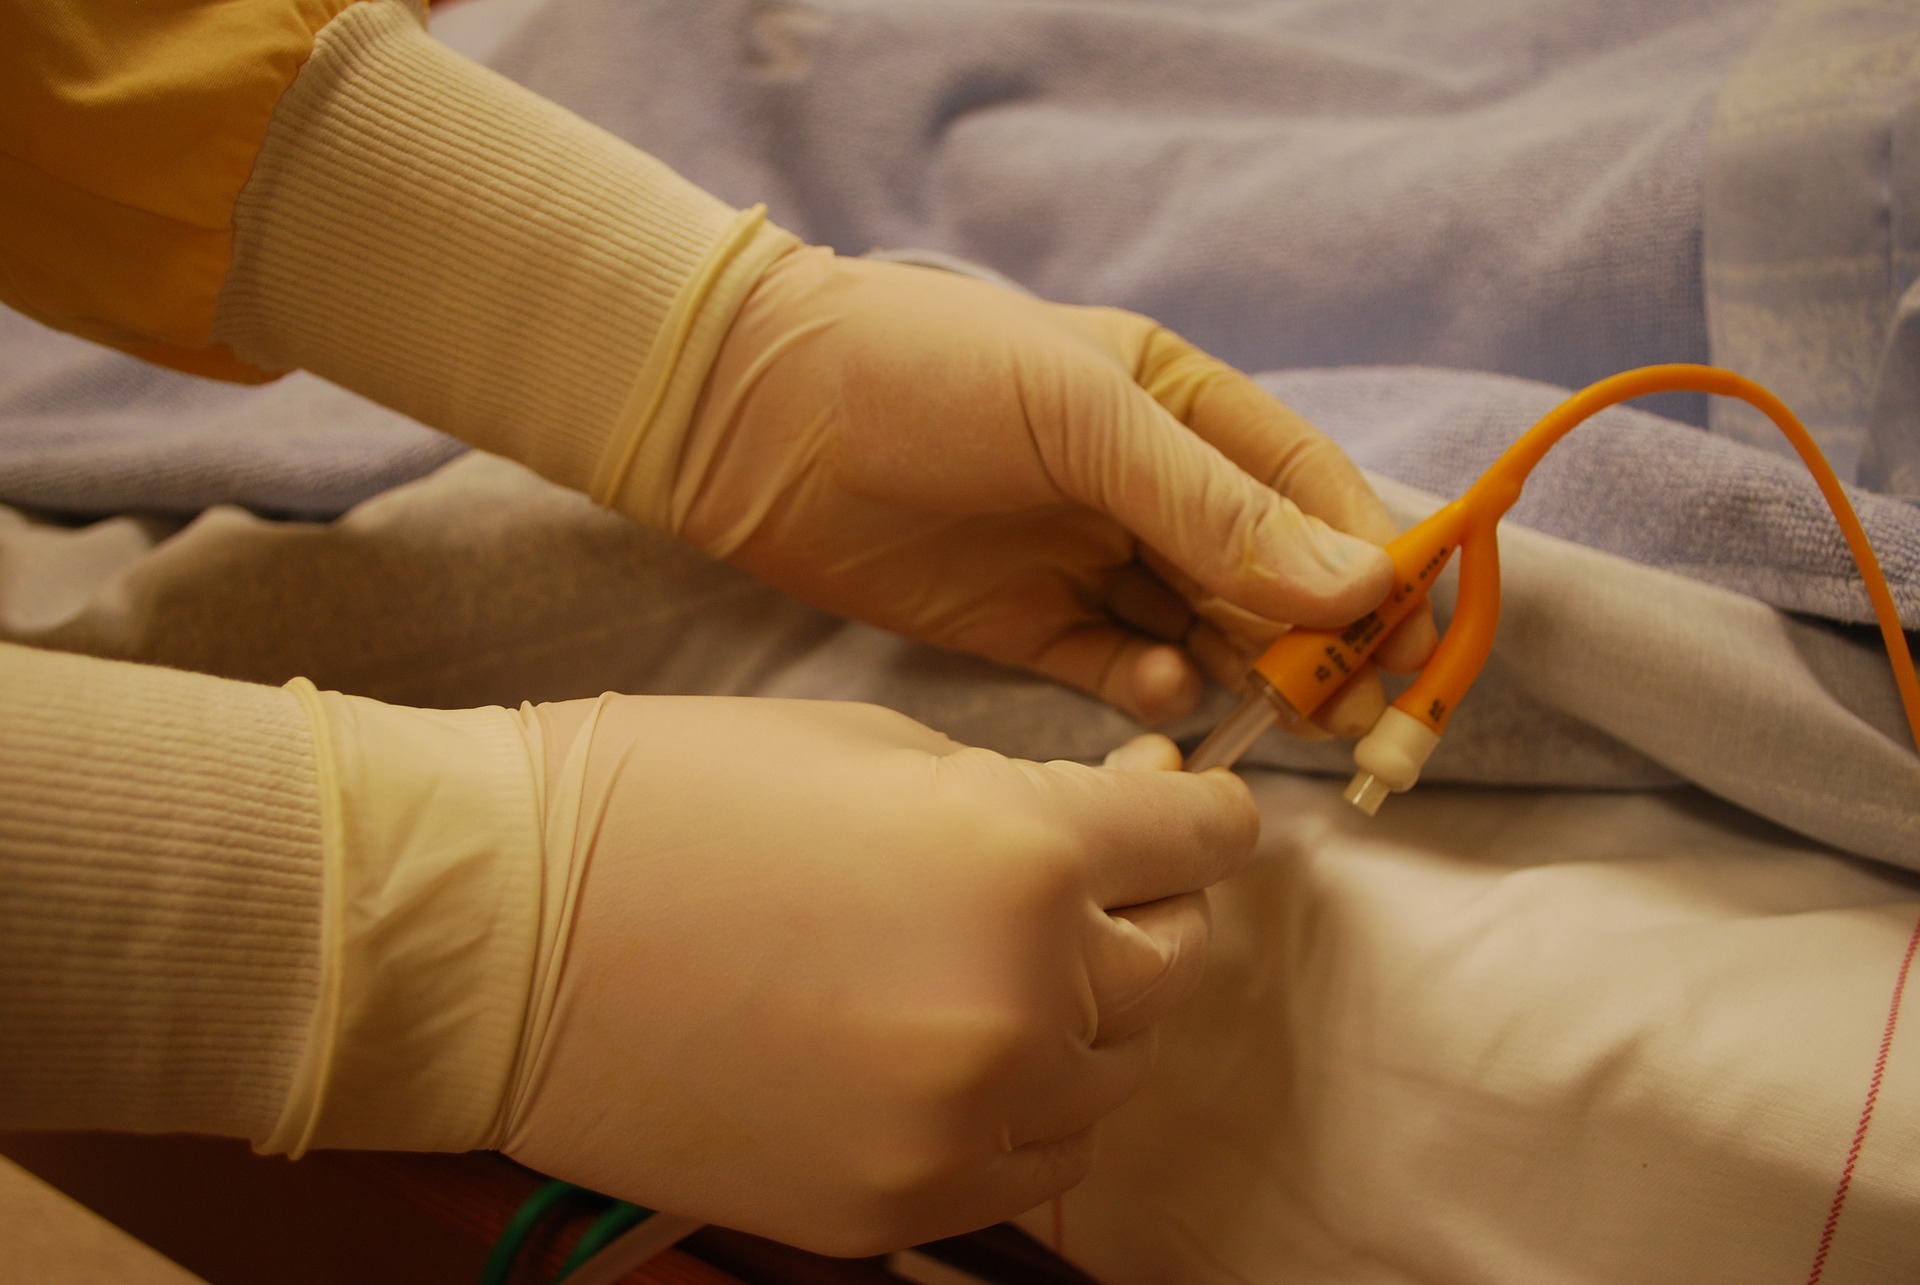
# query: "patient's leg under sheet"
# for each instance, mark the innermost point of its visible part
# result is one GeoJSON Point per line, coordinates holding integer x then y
{"type": "Point", "coordinates": [1500, 1037]}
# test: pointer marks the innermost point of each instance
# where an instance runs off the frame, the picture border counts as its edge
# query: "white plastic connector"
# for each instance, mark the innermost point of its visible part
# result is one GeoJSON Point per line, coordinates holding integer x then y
{"type": "Point", "coordinates": [1366, 792]}
{"type": "Point", "coordinates": [1390, 758]}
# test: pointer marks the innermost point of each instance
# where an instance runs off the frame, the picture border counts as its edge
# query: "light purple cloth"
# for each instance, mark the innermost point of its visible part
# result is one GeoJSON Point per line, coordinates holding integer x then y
{"type": "Point", "coordinates": [1510, 186]}
{"type": "Point", "coordinates": [1628, 482]}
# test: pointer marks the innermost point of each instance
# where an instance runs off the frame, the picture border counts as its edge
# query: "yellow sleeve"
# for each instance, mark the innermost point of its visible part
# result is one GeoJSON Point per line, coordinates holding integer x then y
{"type": "Point", "coordinates": [127, 130]}
{"type": "Point", "coordinates": [242, 187]}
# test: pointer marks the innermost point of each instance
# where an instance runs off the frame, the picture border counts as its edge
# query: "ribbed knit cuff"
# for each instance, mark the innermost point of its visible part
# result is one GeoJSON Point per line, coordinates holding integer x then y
{"type": "Point", "coordinates": [160, 887]}
{"type": "Point", "coordinates": [431, 235]}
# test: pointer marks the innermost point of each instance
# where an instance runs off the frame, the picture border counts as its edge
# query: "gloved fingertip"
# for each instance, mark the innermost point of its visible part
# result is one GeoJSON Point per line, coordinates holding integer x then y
{"type": "Point", "coordinates": [1408, 647]}
{"type": "Point", "coordinates": [1347, 557]}
{"type": "Point", "coordinates": [1163, 686]}
{"type": "Point", "coordinates": [1324, 578]}
{"type": "Point", "coordinates": [1148, 752]}
{"type": "Point", "coordinates": [1355, 708]}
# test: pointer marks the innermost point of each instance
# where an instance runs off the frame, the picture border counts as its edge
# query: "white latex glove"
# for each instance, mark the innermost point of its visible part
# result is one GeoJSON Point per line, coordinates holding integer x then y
{"type": "Point", "coordinates": [835, 979]}
{"type": "Point", "coordinates": [1064, 489]}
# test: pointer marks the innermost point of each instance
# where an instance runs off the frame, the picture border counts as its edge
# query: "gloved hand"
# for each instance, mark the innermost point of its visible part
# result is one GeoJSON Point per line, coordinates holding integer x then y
{"type": "Point", "coordinates": [835, 979]}
{"type": "Point", "coordinates": [1060, 488]}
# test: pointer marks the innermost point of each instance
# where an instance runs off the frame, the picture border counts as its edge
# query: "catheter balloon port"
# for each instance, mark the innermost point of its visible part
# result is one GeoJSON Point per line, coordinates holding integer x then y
{"type": "Point", "coordinates": [1366, 792]}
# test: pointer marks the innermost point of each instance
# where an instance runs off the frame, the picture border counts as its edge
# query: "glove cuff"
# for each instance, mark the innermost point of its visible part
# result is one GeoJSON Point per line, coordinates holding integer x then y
{"type": "Point", "coordinates": [434, 895]}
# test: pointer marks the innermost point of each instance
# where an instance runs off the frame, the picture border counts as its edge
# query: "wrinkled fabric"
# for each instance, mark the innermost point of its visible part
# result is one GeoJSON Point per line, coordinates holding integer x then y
{"type": "Point", "coordinates": [1491, 1036]}
{"type": "Point", "coordinates": [1507, 1039]}
{"type": "Point", "coordinates": [92, 432]}
{"type": "Point", "coordinates": [1592, 1034]}
{"type": "Point", "coordinates": [1510, 187]}
{"type": "Point", "coordinates": [1629, 482]}
{"type": "Point", "coordinates": [1812, 233]}
{"type": "Point", "coordinates": [1599, 1033]}
{"type": "Point", "coordinates": [1513, 188]}
{"type": "Point", "coordinates": [127, 130]}
{"type": "Point", "coordinates": [1605, 674]}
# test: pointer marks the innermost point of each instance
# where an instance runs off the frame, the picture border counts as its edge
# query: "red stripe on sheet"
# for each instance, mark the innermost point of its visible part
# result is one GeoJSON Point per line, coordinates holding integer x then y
{"type": "Point", "coordinates": [1866, 1112]}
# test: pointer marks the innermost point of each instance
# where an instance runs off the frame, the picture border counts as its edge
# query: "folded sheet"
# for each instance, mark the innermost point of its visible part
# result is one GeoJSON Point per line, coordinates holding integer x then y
{"type": "Point", "coordinates": [1622, 1029]}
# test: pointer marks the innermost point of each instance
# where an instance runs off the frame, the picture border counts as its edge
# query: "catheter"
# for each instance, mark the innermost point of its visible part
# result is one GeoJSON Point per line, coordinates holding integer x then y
{"type": "Point", "coordinates": [1306, 666]}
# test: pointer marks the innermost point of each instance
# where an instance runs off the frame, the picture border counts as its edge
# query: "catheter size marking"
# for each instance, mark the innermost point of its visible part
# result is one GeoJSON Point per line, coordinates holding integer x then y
{"type": "Point", "coordinates": [1362, 631]}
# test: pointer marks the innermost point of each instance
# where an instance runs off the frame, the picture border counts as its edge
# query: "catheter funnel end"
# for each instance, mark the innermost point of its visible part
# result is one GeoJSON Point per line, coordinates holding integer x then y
{"type": "Point", "coordinates": [1366, 792]}
{"type": "Point", "coordinates": [1390, 758]}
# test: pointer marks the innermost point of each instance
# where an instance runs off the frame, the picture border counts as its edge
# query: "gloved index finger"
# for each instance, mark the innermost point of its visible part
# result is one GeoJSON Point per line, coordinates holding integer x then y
{"type": "Point", "coordinates": [1149, 835]}
{"type": "Point", "coordinates": [1121, 452]}
{"type": "Point", "coordinates": [1278, 446]}
{"type": "Point", "coordinates": [1262, 434]}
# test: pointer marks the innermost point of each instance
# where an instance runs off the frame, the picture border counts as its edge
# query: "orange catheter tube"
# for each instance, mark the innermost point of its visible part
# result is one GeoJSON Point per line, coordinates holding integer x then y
{"type": "Point", "coordinates": [1306, 666]}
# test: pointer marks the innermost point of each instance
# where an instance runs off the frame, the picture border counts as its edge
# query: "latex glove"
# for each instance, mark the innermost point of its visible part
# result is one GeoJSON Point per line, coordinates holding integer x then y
{"type": "Point", "coordinates": [835, 979]}
{"type": "Point", "coordinates": [1059, 488]}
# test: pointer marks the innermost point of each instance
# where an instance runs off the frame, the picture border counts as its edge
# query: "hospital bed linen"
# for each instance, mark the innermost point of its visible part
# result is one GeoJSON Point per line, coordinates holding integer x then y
{"type": "Point", "coordinates": [1580, 1034]}
{"type": "Point", "coordinates": [1601, 1000]}
{"type": "Point", "coordinates": [91, 431]}
{"type": "Point", "coordinates": [1526, 1038]}
{"type": "Point", "coordinates": [1811, 232]}
{"type": "Point", "coordinates": [1512, 186]}
{"type": "Point", "coordinates": [1607, 673]}
{"type": "Point", "coordinates": [1514, 189]}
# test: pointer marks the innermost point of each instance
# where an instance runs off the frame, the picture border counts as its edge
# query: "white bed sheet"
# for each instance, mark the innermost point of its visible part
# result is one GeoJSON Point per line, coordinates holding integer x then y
{"type": "Point", "coordinates": [1523, 1037]}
